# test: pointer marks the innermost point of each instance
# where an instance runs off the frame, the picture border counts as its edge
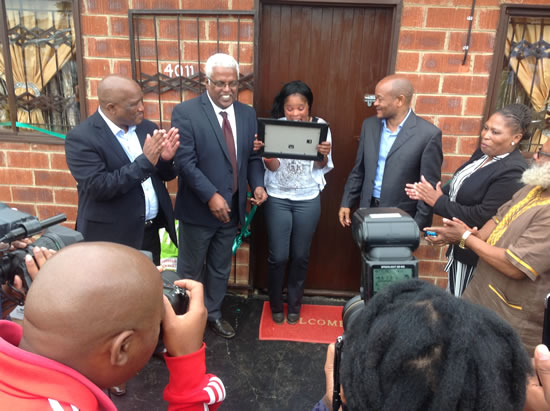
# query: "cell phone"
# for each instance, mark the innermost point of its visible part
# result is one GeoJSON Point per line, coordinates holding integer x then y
{"type": "Point", "coordinates": [546, 323]}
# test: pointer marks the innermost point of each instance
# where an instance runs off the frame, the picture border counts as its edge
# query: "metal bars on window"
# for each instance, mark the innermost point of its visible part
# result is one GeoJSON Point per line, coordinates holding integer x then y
{"type": "Point", "coordinates": [39, 70]}
{"type": "Point", "coordinates": [169, 49]}
{"type": "Point", "coordinates": [528, 54]}
{"type": "Point", "coordinates": [521, 70]}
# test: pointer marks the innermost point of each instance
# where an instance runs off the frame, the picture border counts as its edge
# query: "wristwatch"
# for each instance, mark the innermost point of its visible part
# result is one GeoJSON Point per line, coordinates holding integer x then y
{"type": "Point", "coordinates": [465, 236]}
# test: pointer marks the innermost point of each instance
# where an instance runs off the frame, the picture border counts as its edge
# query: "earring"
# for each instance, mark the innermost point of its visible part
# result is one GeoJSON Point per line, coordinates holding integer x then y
{"type": "Point", "coordinates": [513, 143]}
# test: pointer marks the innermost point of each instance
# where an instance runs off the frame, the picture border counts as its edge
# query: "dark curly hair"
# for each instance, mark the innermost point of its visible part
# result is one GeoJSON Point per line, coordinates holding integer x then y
{"type": "Point", "coordinates": [416, 347]}
{"type": "Point", "coordinates": [294, 87]}
{"type": "Point", "coordinates": [518, 116]}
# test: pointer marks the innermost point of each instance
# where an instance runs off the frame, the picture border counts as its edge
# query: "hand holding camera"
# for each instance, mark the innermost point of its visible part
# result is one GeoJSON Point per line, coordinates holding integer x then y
{"type": "Point", "coordinates": [183, 334]}
{"type": "Point", "coordinates": [14, 293]}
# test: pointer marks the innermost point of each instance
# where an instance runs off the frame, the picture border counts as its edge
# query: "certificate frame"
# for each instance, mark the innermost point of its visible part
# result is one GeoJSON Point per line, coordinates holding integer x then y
{"type": "Point", "coordinates": [291, 139]}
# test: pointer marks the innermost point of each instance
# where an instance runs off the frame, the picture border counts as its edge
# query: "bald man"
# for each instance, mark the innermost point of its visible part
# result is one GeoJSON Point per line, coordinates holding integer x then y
{"type": "Point", "coordinates": [396, 148]}
{"type": "Point", "coordinates": [92, 320]}
{"type": "Point", "coordinates": [120, 162]}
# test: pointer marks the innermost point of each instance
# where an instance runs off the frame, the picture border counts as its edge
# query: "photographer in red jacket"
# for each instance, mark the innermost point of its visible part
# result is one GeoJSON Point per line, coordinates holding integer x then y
{"type": "Point", "coordinates": [92, 320]}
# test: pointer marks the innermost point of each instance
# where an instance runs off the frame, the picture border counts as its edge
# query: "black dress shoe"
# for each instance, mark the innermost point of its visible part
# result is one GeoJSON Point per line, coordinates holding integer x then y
{"type": "Point", "coordinates": [292, 318]}
{"type": "Point", "coordinates": [222, 328]}
{"type": "Point", "coordinates": [278, 318]}
{"type": "Point", "coordinates": [118, 390]}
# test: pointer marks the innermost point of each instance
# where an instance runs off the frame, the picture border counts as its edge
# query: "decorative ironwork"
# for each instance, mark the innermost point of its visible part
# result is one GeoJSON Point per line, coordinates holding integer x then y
{"type": "Point", "coordinates": [523, 49]}
{"type": "Point", "coordinates": [525, 73]}
{"type": "Point", "coordinates": [23, 36]}
{"type": "Point", "coordinates": [160, 83]}
{"type": "Point", "coordinates": [168, 48]}
{"type": "Point", "coordinates": [43, 67]}
{"type": "Point", "coordinates": [28, 102]}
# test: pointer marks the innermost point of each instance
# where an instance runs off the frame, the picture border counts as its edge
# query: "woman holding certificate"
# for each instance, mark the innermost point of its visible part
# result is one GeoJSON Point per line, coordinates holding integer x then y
{"type": "Point", "coordinates": [293, 207]}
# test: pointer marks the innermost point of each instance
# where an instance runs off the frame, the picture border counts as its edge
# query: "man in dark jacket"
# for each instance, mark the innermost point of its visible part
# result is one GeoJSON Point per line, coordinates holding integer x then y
{"type": "Point", "coordinates": [216, 163]}
{"type": "Point", "coordinates": [396, 148]}
{"type": "Point", "coordinates": [119, 161]}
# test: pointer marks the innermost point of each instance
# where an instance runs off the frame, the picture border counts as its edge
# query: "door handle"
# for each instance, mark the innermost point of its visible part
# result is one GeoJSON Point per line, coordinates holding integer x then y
{"type": "Point", "coordinates": [369, 99]}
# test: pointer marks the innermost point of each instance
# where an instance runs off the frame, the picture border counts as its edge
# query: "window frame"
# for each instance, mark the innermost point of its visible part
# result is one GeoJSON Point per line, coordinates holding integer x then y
{"type": "Point", "coordinates": [507, 12]}
{"type": "Point", "coordinates": [21, 135]}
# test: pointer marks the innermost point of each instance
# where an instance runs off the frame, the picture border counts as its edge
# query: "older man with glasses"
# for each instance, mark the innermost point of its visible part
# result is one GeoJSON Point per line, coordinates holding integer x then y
{"type": "Point", "coordinates": [513, 275]}
{"type": "Point", "coordinates": [216, 163]}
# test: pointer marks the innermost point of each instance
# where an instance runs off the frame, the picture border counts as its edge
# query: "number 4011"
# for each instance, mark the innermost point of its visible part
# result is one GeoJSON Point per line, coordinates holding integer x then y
{"type": "Point", "coordinates": [178, 70]}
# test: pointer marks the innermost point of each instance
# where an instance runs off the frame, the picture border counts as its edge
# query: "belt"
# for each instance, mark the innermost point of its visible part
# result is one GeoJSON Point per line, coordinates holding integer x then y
{"type": "Point", "coordinates": [149, 223]}
{"type": "Point", "coordinates": [374, 202]}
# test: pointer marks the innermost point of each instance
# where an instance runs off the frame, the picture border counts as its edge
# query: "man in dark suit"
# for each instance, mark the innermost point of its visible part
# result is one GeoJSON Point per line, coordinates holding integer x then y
{"type": "Point", "coordinates": [396, 148]}
{"type": "Point", "coordinates": [216, 163]}
{"type": "Point", "coordinates": [119, 161]}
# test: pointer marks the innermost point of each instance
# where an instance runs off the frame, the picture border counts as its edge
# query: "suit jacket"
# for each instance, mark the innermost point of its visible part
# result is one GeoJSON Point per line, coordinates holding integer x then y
{"type": "Point", "coordinates": [111, 201]}
{"type": "Point", "coordinates": [481, 194]}
{"type": "Point", "coordinates": [203, 162]}
{"type": "Point", "coordinates": [416, 151]}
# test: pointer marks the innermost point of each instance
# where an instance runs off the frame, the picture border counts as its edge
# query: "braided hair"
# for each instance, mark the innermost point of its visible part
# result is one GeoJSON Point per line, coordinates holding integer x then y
{"type": "Point", "coordinates": [416, 347]}
{"type": "Point", "coordinates": [518, 116]}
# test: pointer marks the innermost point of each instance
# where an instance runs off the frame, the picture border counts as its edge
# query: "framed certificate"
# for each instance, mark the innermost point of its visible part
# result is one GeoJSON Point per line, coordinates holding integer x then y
{"type": "Point", "coordinates": [291, 139]}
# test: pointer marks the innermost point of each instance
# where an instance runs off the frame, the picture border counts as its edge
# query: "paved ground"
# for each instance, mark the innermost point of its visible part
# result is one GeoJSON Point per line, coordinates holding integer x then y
{"type": "Point", "coordinates": [258, 375]}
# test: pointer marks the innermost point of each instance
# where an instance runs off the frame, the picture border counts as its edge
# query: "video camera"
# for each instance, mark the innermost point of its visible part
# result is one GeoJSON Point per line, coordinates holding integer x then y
{"type": "Point", "coordinates": [16, 225]}
{"type": "Point", "coordinates": [387, 238]}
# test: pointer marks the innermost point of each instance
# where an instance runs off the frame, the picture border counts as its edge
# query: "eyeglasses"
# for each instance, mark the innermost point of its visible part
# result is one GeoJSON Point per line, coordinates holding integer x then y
{"type": "Point", "coordinates": [222, 84]}
{"type": "Point", "coordinates": [542, 153]}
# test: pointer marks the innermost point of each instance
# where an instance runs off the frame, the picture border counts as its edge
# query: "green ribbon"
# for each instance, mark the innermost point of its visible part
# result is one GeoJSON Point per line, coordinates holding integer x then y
{"type": "Point", "coordinates": [245, 232]}
{"type": "Point", "coordinates": [42, 130]}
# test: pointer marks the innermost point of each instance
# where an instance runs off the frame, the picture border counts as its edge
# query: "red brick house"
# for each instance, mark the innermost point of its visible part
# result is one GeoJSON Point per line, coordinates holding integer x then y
{"type": "Point", "coordinates": [458, 57]}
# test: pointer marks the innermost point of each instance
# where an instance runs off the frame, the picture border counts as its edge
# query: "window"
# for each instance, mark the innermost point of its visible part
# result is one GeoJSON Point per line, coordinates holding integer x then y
{"type": "Point", "coordinates": [521, 66]}
{"type": "Point", "coordinates": [39, 70]}
{"type": "Point", "coordinates": [170, 47]}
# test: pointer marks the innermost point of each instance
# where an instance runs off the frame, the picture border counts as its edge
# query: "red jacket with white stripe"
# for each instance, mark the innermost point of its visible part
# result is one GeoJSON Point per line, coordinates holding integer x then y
{"type": "Point", "coordinates": [31, 382]}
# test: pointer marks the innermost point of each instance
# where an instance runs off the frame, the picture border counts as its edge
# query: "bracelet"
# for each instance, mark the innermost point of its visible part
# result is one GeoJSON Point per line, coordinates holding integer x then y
{"type": "Point", "coordinates": [465, 236]}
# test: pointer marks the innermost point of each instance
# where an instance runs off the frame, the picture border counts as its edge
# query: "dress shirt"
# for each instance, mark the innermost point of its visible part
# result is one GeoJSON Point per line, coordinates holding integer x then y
{"type": "Point", "coordinates": [230, 117]}
{"type": "Point", "coordinates": [131, 146]}
{"type": "Point", "coordinates": [387, 138]}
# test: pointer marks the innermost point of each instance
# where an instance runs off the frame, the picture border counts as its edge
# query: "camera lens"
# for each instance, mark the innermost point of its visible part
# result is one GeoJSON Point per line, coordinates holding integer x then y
{"type": "Point", "coordinates": [351, 309]}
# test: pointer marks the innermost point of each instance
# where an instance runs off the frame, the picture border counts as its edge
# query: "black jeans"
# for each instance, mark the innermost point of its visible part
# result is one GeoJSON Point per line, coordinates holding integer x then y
{"type": "Point", "coordinates": [290, 229]}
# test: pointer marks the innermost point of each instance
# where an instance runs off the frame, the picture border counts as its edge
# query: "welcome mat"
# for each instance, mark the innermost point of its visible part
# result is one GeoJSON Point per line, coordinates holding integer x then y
{"type": "Point", "coordinates": [317, 324]}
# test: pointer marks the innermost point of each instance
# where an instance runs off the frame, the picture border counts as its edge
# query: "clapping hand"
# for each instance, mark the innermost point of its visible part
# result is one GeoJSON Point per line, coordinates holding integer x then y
{"type": "Point", "coordinates": [171, 144]}
{"type": "Point", "coordinates": [424, 191]}
{"type": "Point", "coordinates": [153, 146]}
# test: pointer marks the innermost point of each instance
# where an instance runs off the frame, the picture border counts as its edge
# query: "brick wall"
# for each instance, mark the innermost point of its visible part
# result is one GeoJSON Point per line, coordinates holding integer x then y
{"type": "Point", "coordinates": [448, 93]}
{"type": "Point", "coordinates": [34, 177]}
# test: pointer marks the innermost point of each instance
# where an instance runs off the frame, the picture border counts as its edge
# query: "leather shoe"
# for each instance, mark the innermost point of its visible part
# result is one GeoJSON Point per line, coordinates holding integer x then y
{"type": "Point", "coordinates": [222, 328]}
{"type": "Point", "coordinates": [278, 318]}
{"type": "Point", "coordinates": [293, 318]}
{"type": "Point", "coordinates": [118, 390]}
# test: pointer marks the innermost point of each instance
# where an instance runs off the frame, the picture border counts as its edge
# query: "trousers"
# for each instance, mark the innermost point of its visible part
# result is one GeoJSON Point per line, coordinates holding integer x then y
{"type": "Point", "coordinates": [205, 255]}
{"type": "Point", "coordinates": [290, 229]}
